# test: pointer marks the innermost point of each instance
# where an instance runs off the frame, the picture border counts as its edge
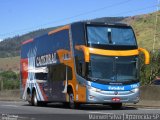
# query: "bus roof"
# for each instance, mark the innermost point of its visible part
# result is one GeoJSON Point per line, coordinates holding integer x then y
{"type": "Point", "coordinates": [68, 26]}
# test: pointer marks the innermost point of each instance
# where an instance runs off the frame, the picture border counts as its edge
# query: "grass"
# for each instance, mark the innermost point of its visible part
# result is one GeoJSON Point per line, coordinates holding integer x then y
{"type": "Point", "coordinates": [10, 63]}
{"type": "Point", "coordinates": [144, 27]}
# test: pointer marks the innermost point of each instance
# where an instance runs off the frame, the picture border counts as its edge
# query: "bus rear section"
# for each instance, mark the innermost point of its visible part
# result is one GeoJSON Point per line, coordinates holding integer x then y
{"type": "Point", "coordinates": [46, 67]}
{"type": "Point", "coordinates": [95, 63]}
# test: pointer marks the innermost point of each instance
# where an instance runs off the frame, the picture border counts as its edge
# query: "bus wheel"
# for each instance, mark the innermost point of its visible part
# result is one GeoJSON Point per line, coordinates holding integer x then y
{"type": "Point", "coordinates": [66, 104]}
{"type": "Point", "coordinates": [34, 99]}
{"type": "Point", "coordinates": [43, 104]}
{"type": "Point", "coordinates": [29, 99]}
{"type": "Point", "coordinates": [72, 104]}
{"type": "Point", "coordinates": [116, 106]}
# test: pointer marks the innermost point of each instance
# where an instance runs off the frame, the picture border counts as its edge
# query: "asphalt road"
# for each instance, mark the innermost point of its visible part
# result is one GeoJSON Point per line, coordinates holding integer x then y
{"type": "Point", "coordinates": [22, 111]}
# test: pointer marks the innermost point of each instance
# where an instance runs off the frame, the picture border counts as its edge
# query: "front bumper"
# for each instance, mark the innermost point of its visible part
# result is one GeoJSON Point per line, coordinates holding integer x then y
{"type": "Point", "coordinates": [94, 96]}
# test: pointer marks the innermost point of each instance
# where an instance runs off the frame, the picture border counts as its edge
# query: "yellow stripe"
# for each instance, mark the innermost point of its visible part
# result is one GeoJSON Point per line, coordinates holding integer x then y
{"type": "Point", "coordinates": [113, 52]}
{"type": "Point", "coordinates": [88, 50]}
{"type": "Point", "coordinates": [59, 29]}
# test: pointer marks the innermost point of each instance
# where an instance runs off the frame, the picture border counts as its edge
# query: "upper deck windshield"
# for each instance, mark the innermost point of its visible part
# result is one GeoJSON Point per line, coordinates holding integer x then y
{"type": "Point", "coordinates": [111, 35]}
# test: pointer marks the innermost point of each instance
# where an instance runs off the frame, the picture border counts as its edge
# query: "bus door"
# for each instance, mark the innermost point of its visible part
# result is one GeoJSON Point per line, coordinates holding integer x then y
{"type": "Point", "coordinates": [58, 76]}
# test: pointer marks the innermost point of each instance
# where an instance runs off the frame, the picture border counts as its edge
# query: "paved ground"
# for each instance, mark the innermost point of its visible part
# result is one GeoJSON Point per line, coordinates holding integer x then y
{"type": "Point", "coordinates": [22, 111]}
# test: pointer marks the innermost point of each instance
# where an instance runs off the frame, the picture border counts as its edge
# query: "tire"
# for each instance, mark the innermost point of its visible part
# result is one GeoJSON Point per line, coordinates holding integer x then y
{"type": "Point", "coordinates": [34, 100]}
{"type": "Point", "coordinates": [66, 104]}
{"type": "Point", "coordinates": [72, 103]}
{"type": "Point", "coordinates": [43, 104]}
{"type": "Point", "coordinates": [116, 106]}
{"type": "Point", "coordinates": [29, 99]}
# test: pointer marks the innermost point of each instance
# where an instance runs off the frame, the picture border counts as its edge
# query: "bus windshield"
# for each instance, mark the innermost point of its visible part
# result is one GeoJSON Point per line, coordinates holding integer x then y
{"type": "Point", "coordinates": [111, 35]}
{"type": "Point", "coordinates": [113, 69]}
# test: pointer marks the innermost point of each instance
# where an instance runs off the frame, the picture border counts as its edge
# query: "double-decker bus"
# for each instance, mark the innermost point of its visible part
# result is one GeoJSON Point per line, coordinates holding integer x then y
{"type": "Point", "coordinates": [83, 62]}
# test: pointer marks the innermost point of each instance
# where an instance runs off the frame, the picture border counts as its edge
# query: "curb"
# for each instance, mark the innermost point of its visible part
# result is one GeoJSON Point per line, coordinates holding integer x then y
{"type": "Point", "coordinates": [145, 103]}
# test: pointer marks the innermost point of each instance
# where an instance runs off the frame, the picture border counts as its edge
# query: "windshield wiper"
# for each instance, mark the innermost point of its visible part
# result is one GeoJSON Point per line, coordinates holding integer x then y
{"type": "Point", "coordinates": [93, 79]}
{"type": "Point", "coordinates": [125, 79]}
{"type": "Point", "coordinates": [97, 79]}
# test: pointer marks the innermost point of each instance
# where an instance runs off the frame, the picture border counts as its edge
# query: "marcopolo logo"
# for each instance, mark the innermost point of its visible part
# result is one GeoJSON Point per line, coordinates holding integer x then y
{"type": "Point", "coordinates": [116, 88]}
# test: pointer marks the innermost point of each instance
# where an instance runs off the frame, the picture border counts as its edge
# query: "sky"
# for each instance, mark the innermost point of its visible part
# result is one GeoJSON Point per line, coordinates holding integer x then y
{"type": "Point", "coordinates": [18, 17]}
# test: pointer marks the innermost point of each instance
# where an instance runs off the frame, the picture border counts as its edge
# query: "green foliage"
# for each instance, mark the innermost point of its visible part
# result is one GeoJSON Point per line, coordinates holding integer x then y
{"type": "Point", "coordinates": [149, 72]}
{"type": "Point", "coordinates": [10, 64]}
{"type": "Point", "coordinates": [146, 29]}
{"type": "Point", "coordinates": [10, 80]}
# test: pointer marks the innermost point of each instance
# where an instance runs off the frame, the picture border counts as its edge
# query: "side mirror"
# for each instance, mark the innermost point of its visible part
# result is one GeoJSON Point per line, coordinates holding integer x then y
{"type": "Point", "coordinates": [146, 55]}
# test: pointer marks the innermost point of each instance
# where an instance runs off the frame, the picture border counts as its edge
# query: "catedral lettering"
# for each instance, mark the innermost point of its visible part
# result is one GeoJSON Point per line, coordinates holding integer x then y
{"type": "Point", "coordinates": [46, 59]}
{"type": "Point", "coordinates": [81, 63]}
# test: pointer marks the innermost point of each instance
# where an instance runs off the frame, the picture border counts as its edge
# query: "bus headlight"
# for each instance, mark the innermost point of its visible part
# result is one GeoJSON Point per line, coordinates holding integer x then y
{"type": "Point", "coordinates": [135, 90]}
{"type": "Point", "coordinates": [93, 89]}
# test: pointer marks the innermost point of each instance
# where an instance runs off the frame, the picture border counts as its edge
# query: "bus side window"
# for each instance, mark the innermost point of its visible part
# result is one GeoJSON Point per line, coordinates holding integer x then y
{"type": "Point", "coordinates": [80, 67]}
{"type": "Point", "coordinates": [83, 69]}
{"type": "Point", "coordinates": [77, 65]}
{"type": "Point", "coordinates": [69, 73]}
{"type": "Point", "coordinates": [41, 76]}
{"type": "Point", "coordinates": [58, 72]}
{"type": "Point", "coordinates": [80, 63]}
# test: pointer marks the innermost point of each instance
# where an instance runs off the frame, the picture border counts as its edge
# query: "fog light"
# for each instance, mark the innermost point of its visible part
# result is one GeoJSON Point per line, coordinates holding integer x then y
{"type": "Point", "coordinates": [137, 99]}
{"type": "Point", "coordinates": [91, 97]}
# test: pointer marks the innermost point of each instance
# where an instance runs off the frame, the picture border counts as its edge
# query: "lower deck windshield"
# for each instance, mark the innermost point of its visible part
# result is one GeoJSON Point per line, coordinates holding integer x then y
{"type": "Point", "coordinates": [113, 69]}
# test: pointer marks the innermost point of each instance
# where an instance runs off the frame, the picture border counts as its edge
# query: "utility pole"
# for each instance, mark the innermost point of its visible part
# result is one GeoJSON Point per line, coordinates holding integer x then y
{"type": "Point", "coordinates": [156, 20]}
{"type": "Point", "coordinates": [1, 82]}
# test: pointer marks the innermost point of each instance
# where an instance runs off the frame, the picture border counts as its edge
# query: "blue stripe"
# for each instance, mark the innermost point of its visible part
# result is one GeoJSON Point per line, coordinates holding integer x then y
{"type": "Point", "coordinates": [115, 87]}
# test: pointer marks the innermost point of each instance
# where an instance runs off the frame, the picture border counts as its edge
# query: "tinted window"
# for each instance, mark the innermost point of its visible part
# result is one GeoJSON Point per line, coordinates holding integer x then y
{"type": "Point", "coordinates": [41, 76]}
{"type": "Point", "coordinates": [58, 72]}
{"type": "Point", "coordinates": [113, 69]}
{"type": "Point", "coordinates": [78, 38]}
{"type": "Point", "coordinates": [110, 35]}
